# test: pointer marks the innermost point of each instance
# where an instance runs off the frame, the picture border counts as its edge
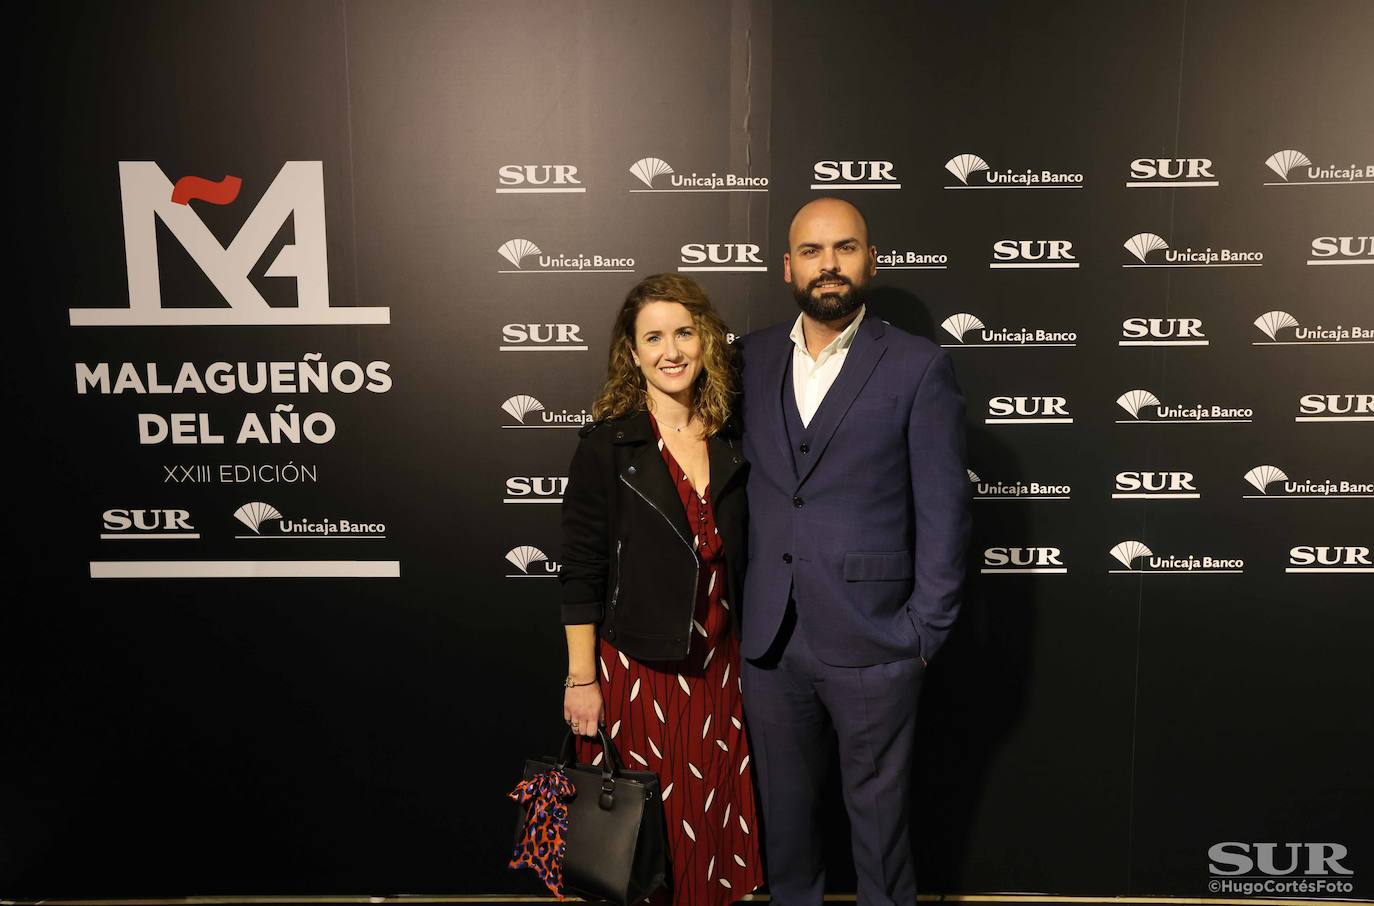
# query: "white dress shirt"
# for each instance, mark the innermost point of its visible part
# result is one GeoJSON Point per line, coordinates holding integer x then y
{"type": "Point", "coordinates": [811, 378]}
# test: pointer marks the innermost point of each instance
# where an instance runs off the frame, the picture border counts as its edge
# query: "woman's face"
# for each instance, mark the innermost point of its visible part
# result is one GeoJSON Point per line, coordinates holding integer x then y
{"type": "Point", "coordinates": [667, 348]}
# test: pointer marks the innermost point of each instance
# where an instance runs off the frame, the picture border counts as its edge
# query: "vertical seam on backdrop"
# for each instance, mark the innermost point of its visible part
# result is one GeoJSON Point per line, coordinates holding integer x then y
{"type": "Point", "coordinates": [352, 183]}
{"type": "Point", "coordinates": [1145, 510]}
{"type": "Point", "coordinates": [749, 153]}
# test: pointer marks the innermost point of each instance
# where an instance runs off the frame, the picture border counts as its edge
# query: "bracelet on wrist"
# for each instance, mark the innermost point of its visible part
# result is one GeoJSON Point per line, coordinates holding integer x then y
{"type": "Point", "coordinates": [569, 684]}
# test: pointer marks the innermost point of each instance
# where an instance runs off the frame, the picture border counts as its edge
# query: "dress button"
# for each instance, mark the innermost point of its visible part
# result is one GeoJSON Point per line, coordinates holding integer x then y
{"type": "Point", "coordinates": [610, 634]}
{"type": "Point", "coordinates": [786, 558]}
{"type": "Point", "coordinates": [805, 447]}
{"type": "Point", "coordinates": [619, 435]}
{"type": "Point", "coordinates": [630, 470]}
{"type": "Point", "coordinates": [797, 502]}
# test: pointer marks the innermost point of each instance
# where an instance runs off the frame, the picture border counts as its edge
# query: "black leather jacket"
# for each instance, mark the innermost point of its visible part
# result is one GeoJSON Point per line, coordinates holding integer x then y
{"type": "Point", "coordinates": [628, 562]}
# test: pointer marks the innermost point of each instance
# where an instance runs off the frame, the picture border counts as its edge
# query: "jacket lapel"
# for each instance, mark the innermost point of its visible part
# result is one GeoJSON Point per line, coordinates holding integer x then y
{"type": "Point", "coordinates": [726, 459]}
{"type": "Point", "coordinates": [775, 382]}
{"type": "Point", "coordinates": [868, 347]}
{"type": "Point", "coordinates": [647, 473]}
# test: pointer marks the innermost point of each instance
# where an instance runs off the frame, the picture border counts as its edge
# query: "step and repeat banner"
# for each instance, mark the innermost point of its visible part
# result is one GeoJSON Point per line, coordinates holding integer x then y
{"type": "Point", "coordinates": [315, 295]}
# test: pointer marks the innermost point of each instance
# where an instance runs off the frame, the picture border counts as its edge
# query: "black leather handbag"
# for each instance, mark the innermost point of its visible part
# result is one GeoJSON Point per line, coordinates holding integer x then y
{"type": "Point", "coordinates": [616, 843]}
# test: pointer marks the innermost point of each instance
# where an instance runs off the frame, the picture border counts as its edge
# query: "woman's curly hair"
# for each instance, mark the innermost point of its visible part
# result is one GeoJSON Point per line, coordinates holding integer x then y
{"type": "Point", "coordinates": [625, 388]}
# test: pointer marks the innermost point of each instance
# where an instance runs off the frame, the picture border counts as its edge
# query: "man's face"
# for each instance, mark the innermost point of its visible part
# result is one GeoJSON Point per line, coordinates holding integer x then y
{"type": "Point", "coordinates": [829, 262]}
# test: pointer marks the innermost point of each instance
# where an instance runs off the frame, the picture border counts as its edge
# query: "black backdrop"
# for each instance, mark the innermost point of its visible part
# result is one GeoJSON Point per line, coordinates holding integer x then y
{"type": "Point", "coordinates": [1088, 732]}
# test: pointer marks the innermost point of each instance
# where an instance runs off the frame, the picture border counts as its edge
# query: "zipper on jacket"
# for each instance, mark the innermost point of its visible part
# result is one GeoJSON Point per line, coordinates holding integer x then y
{"type": "Point", "coordinates": [696, 562]}
{"type": "Point", "coordinates": [615, 594]}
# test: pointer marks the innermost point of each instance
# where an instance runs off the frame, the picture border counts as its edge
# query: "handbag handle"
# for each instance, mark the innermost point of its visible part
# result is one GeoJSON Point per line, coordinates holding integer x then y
{"type": "Point", "coordinates": [611, 765]}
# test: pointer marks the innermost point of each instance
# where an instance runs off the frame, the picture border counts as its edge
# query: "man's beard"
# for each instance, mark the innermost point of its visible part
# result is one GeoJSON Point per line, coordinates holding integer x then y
{"type": "Point", "coordinates": [830, 306]}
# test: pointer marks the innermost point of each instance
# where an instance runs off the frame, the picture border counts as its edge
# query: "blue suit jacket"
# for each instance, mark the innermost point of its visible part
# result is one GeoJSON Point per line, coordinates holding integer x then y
{"type": "Point", "coordinates": [868, 529]}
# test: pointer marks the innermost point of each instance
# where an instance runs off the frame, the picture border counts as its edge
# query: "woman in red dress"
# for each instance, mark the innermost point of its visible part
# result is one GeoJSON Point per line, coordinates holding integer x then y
{"type": "Point", "coordinates": [652, 564]}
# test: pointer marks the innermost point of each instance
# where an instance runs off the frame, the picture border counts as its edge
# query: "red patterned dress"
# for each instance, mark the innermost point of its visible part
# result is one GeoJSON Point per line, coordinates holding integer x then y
{"type": "Point", "coordinates": [683, 720]}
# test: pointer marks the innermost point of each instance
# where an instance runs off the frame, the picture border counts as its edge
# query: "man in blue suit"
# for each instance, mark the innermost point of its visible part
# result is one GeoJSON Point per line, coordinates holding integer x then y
{"type": "Point", "coordinates": [859, 520]}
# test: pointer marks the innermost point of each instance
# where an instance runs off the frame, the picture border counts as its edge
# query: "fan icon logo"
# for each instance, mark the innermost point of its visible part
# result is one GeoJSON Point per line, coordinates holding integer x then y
{"type": "Point", "coordinates": [648, 169]}
{"type": "Point", "coordinates": [1134, 402]}
{"type": "Point", "coordinates": [1283, 163]}
{"type": "Point", "coordinates": [530, 563]}
{"type": "Point", "coordinates": [1142, 244]}
{"type": "Point", "coordinates": [1016, 490]}
{"type": "Point", "coordinates": [516, 251]}
{"type": "Point", "coordinates": [528, 412]}
{"type": "Point", "coordinates": [959, 325]}
{"type": "Point", "coordinates": [1137, 559]}
{"type": "Point", "coordinates": [255, 514]}
{"type": "Point", "coordinates": [967, 167]}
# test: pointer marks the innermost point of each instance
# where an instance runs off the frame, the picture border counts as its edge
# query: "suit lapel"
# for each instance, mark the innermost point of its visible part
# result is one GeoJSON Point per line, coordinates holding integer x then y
{"type": "Point", "coordinates": [774, 383]}
{"type": "Point", "coordinates": [868, 347]}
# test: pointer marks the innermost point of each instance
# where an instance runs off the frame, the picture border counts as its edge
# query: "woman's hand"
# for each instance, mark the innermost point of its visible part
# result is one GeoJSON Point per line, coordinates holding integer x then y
{"type": "Point", "coordinates": [582, 709]}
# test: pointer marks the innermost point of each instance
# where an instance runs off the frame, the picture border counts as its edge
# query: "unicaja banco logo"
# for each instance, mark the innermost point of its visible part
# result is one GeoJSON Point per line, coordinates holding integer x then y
{"type": "Point", "coordinates": [1264, 478]}
{"type": "Point", "coordinates": [965, 167]}
{"type": "Point", "coordinates": [959, 325]}
{"type": "Point", "coordinates": [1284, 163]}
{"type": "Point", "coordinates": [517, 253]}
{"type": "Point", "coordinates": [1134, 401]}
{"type": "Point", "coordinates": [147, 196]}
{"type": "Point", "coordinates": [649, 169]}
{"type": "Point", "coordinates": [1016, 490]}
{"type": "Point", "coordinates": [1141, 245]}
{"type": "Point", "coordinates": [255, 514]}
{"type": "Point", "coordinates": [531, 563]}
{"type": "Point", "coordinates": [528, 412]}
{"type": "Point", "coordinates": [1272, 323]}
{"type": "Point", "coordinates": [1127, 553]}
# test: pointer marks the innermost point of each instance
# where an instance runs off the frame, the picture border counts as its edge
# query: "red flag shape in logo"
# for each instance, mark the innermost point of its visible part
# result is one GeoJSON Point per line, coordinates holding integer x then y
{"type": "Point", "coordinates": [191, 188]}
